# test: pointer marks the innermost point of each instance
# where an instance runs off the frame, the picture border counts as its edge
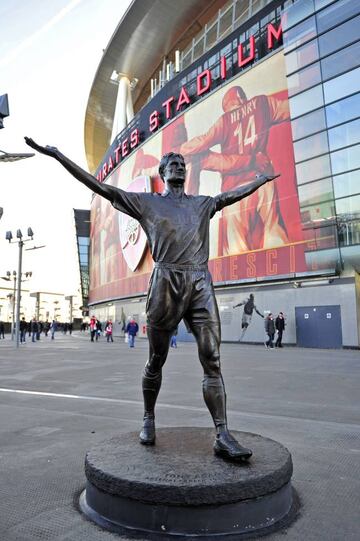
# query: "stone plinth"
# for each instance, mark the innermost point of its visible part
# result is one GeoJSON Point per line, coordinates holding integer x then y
{"type": "Point", "coordinates": [179, 487]}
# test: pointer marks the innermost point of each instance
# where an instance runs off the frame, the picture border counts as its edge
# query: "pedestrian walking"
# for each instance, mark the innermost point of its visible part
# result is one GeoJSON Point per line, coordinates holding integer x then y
{"type": "Point", "coordinates": [53, 329]}
{"type": "Point", "coordinates": [173, 342]}
{"type": "Point", "coordinates": [2, 330]}
{"type": "Point", "coordinates": [270, 330]}
{"type": "Point", "coordinates": [98, 329]}
{"type": "Point", "coordinates": [109, 331]}
{"type": "Point", "coordinates": [34, 329]}
{"type": "Point", "coordinates": [46, 327]}
{"type": "Point", "coordinates": [92, 328]}
{"type": "Point", "coordinates": [132, 329]}
{"type": "Point", "coordinates": [280, 327]}
{"type": "Point", "coordinates": [23, 328]}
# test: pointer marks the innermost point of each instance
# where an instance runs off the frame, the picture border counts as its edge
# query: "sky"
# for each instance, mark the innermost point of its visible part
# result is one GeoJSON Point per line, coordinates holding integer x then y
{"type": "Point", "coordinates": [49, 53]}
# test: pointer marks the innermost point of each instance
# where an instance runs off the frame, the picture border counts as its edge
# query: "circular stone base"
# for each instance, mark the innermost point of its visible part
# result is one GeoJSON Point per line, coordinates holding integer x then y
{"type": "Point", "coordinates": [179, 487]}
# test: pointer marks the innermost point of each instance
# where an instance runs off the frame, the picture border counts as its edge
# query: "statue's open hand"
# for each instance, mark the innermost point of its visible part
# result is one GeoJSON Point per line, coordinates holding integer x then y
{"type": "Point", "coordinates": [267, 178]}
{"type": "Point", "coordinates": [49, 151]}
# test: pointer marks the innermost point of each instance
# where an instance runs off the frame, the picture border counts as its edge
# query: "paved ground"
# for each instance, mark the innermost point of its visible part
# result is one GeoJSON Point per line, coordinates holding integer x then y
{"type": "Point", "coordinates": [78, 393]}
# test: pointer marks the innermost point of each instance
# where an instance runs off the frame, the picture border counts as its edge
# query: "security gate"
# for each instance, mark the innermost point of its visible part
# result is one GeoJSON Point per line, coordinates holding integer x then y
{"type": "Point", "coordinates": [318, 326]}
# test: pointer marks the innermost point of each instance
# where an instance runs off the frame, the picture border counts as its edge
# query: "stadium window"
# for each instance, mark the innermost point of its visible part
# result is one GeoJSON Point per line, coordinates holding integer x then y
{"type": "Point", "coordinates": [301, 57]}
{"type": "Point", "coordinates": [341, 61]}
{"type": "Point", "coordinates": [336, 14]}
{"type": "Point", "coordinates": [300, 34]}
{"type": "Point", "coordinates": [306, 101]}
{"type": "Point", "coordinates": [297, 12]}
{"type": "Point", "coordinates": [319, 212]}
{"type": "Point", "coordinates": [311, 146]}
{"type": "Point", "coordinates": [316, 192]}
{"type": "Point", "coordinates": [343, 110]}
{"type": "Point", "coordinates": [347, 184]}
{"type": "Point", "coordinates": [342, 86]}
{"type": "Point", "coordinates": [349, 206]}
{"type": "Point", "coordinates": [313, 169]}
{"type": "Point", "coordinates": [322, 3]}
{"type": "Point", "coordinates": [344, 135]}
{"type": "Point", "coordinates": [341, 36]}
{"type": "Point", "coordinates": [308, 124]}
{"type": "Point", "coordinates": [345, 160]}
{"type": "Point", "coordinates": [304, 79]}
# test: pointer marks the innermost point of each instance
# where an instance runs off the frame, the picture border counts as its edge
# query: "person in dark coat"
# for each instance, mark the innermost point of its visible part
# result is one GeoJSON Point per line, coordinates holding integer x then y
{"type": "Point", "coordinates": [23, 328]}
{"type": "Point", "coordinates": [132, 329]}
{"type": "Point", "coordinates": [280, 326]}
{"type": "Point", "coordinates": [34, 329]}
{"type": "Point", "coordinates": [270, 330]}
{"type": "Point", "coordinates": [2, 330]}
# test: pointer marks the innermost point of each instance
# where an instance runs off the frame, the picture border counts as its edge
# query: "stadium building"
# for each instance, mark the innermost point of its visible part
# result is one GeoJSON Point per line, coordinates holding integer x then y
{"type": "Point", "coordinates": [237, 87]}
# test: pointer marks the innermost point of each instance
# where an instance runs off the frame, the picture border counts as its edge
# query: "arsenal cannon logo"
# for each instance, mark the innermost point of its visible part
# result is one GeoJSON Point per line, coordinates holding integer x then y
{"type": "Point", "coordinates": [132, 237]}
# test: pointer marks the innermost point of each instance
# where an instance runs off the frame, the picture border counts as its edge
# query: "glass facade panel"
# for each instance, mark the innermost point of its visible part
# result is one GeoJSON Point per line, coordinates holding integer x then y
{"type": "Point", "coordinates": [308, 124]}
{"type": "Point", "coordinates": [297, 12]}
{"type": "Point", "coordinates": [300, 34]}
{"type": "Point", "coordinates": [318, 213]}
{"type": "Point", "coordinates": [322, 3]}
{"type": "Point", "coordinates": [345, 160]}
{"type": "Point", "coordinates": [313, 169]}
{"type": "Point", "coordinates": [341, 61]}
{"type": "Point", "coordinates": [311, 146]}
{"type": "Point", "coordinates": [343, 110]}
{"type": "Point", "coordinates": [342, 86]}
{"type": "Point", "coordinates": [307, 101]}
{"type": "Point", "coordinates": [336, 14]}
{"type": "Point", "coordinates": [304, 79]}
{"type": "Point", "coordinates": [302, 57]}
{"type": "Point", "coordinates": [347, 184]}
{"type": "Point", "coordinates": [344, 135]}
{"type": "Point", "coordinates": [316, 192]}
{"type": "Point", "coordinates": [349, 206]}
{"type": "Point", "coordinates": [340, 37]}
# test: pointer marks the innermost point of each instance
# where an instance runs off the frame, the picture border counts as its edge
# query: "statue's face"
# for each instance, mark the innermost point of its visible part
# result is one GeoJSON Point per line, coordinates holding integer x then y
{"type": "Point", "coordinates": [175, 170]}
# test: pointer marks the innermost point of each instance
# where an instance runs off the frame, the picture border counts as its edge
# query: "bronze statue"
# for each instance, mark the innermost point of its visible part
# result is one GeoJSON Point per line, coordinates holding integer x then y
{"type": "Point", "coordinates": [177, 228]}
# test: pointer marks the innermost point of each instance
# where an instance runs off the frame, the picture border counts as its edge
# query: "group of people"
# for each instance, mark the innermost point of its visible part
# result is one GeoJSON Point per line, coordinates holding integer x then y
{"type": "Point", "coordinates": [271, 326]}
{"type": "Point", "coordinates": [35, 328]}
{"type": "Point", "coordinates": [96, 330]}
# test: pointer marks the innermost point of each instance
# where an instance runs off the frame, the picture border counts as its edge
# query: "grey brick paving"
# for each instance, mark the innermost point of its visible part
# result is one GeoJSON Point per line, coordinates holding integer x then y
{"type": "Point", "coordinates": [306, 399]}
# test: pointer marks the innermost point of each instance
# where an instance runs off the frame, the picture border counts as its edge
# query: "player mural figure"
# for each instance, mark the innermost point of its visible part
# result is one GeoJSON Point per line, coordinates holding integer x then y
{"type": "Point", "coordinates": [177, 229]}
{"type": "Point", "coordinates": [242, 132]}
{"type": "Point", "coordinates": [249, 307]}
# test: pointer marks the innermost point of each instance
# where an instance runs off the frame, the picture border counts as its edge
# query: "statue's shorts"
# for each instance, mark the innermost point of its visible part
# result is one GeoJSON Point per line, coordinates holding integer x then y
{"type": "Point", "coordinates": [182, 292]}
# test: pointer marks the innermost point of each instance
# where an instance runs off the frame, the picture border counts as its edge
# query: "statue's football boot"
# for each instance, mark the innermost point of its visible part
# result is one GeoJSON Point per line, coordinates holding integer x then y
{"type": "Point", "coordinates": [147, 434]}
{"type": "Point", "coordinates": [226, 446]}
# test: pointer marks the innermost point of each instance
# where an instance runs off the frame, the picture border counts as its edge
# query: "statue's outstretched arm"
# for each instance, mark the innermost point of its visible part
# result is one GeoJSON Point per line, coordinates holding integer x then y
{"type": "Point", "coordinates": [228, 198]}
{"type": "Point", "coordinates": [86, 178]}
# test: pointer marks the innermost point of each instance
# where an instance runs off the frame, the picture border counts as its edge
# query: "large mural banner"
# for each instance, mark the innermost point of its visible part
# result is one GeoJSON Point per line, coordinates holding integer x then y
{"type": "Point", "coordinates": [241, 129]}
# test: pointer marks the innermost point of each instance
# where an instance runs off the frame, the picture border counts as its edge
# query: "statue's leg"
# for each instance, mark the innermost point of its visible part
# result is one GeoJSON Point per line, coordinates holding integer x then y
{"type": "Point", "coordinates": [203, 319]}
{"type": "Point", "coordinates": [164, 310]}
{"type": "Point", "coordinates": [159, 342]}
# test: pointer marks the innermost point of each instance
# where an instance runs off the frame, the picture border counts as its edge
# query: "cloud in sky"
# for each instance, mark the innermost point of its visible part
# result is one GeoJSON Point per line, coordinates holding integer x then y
{"type": "Point", "coordinates": [11, 56]}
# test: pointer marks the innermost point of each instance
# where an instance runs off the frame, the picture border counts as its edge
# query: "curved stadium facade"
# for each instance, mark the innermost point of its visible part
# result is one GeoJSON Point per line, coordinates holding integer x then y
{"type": "Point", "coordinates": [236, 87]}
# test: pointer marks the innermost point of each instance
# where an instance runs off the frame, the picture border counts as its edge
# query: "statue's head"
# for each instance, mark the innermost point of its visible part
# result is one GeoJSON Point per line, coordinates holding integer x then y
{"type": "Point", "coordinates": [233, 98]}
{"type": "Point", "coordinates": [172, 168]}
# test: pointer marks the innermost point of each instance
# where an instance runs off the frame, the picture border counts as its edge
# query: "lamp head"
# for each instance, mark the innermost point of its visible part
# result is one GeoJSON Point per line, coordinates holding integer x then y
{"type": "Point", "coordinates": [8, 236]}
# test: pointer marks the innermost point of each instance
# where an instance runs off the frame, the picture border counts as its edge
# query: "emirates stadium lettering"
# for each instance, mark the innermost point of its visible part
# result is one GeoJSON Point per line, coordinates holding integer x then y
{"type": "Point", "coordinates": [169, 108]}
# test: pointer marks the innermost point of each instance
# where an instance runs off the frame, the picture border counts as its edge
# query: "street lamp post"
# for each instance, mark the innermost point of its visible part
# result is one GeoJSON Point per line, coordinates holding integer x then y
{"type": "Point", "coordinates": [21, 243]}
{"type": "Point", "coordinates": [12, 296]}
